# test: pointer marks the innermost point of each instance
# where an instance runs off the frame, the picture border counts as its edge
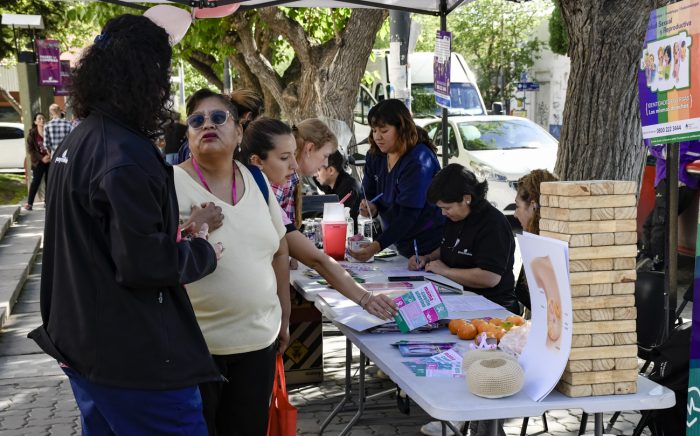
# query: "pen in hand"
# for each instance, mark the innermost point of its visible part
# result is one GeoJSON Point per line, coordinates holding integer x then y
{"type": "Point", "coordinates": [415, 248]}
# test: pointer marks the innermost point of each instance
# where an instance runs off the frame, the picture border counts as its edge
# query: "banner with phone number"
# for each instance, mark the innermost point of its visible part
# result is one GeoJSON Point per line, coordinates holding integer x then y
{"type": "Point", "coordinates": [667, 89]}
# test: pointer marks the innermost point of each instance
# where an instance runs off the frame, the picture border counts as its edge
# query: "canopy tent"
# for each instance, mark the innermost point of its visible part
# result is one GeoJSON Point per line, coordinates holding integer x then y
{"type": "Point", "coordinates": [431, 7]}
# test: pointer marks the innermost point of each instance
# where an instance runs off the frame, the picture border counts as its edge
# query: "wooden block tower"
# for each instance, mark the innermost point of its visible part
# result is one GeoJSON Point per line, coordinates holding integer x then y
{"type": "Point", "coordinates": [599, 221]}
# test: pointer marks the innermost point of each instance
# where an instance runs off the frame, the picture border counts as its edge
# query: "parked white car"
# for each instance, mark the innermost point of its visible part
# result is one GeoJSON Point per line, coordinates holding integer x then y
{"type": "Point", "coordinates": [12, 149]}
{"type": "Point", "coordinates": [499, 149]}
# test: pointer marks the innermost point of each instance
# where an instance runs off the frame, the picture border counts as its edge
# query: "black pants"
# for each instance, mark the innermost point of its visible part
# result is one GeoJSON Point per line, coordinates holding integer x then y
{"type": "Point", "coordinates": [654, 230]}
{"type": "Point", "coordinates": [240, 406]}
{"type": "Point", "coordinates": [39, 171]}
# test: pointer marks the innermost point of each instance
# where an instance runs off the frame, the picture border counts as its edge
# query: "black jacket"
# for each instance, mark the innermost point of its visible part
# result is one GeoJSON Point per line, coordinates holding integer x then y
{"type": "Point", "coordinates": [112, 302]}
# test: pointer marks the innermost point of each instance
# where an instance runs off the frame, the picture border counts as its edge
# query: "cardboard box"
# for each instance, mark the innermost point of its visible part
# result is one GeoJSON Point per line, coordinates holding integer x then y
{"type": "Point", "coordinates": [303, 359]}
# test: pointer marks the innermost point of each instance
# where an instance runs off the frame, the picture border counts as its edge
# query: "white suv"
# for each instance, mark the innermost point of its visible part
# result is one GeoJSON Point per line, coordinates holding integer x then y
{"type": "Point", "coordinates": [12, 149]}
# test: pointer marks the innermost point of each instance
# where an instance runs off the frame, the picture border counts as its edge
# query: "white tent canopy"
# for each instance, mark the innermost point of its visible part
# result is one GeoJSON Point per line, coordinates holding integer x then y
{"type": "Point", "coordinates": [433, 7]}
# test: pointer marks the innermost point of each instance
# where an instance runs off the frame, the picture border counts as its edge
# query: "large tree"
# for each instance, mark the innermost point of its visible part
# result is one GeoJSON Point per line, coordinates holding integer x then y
{"type": "Point", "coordinates": [309, 62]}
{"type": "Point", "coordinates": [601, 136]}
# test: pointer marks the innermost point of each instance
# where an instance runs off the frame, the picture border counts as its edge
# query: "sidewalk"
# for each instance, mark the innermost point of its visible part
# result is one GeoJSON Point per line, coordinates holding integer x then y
{"type": "Point", "coordinates": [36, 399]}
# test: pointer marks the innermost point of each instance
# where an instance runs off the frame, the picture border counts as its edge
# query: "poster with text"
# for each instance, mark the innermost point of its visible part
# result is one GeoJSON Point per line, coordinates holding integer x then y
{"type": "Point", "coordinates": [441, 68]}
{"type": "Point", "coordinates": [64, 87]}
{"type": "Point", "coordinates": [668, 76]}
{"type": "Point", "coordinates": [546, 263]}
{"type": "Point", "coordinates": [49, 55]}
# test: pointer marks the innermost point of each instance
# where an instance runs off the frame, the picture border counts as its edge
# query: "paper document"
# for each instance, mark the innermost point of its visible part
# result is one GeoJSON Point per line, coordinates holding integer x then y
{"type": "Point", "coordinates": [468, 303]}
{"type": "Point", "coordinates": [419, 307]}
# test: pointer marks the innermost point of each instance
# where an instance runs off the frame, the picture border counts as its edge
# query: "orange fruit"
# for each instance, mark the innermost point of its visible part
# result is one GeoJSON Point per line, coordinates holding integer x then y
{"type": "Point", "coordinates": [455, 324]}
{"type": "Point", "coordinates": [466, 331]}
{"type": "Point", "coordinates": [483, 327]}
{"type": "Point", "coordinates": [496, 321]}
{"type": "Point", "coordinates": [515, 320]}
{"type": "Point", "coordinates": [500, 333]}
{"type": "Point", "coordinates": [476, 322]}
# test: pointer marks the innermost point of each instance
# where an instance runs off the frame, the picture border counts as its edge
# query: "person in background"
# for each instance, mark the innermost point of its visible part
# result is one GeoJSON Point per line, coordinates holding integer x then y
{"type": "Point", "coordinates": [57, 129]}
{"type": "Point", "coordinates": [114, 311]}
{"type": "Point", "coordinates": [271, 145]}
{"type": "Point", "coordinates": [243, 307]}
{"type": "Point", "coordinates": [527, 212]}
{"type": "Point", "coordinates": [39, 155]}
{"type": "Point", "coordinates": [654, 230]}
{"type": "Point", "coordinates": [333, 179]}
{"type": "Point", "coordinates": [399, 166]}
{"type": "Point", "coordinates": [250, 106]}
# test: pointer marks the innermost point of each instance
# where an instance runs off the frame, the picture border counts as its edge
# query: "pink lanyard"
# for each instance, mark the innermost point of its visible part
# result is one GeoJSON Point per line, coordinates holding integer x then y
{"type": "Point", "coordinates": [206, 185]}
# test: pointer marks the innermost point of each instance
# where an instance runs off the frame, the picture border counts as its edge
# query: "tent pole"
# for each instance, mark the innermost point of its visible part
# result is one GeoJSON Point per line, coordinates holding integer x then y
{"type": "Point", "coordinates": [445, 139]}
{"type": "Point", "coordinates": [671, 263]}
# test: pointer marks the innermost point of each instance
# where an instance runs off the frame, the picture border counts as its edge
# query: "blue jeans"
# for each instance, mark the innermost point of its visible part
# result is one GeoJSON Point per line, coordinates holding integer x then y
{"type": "Point", "coordinates": [108, 410]}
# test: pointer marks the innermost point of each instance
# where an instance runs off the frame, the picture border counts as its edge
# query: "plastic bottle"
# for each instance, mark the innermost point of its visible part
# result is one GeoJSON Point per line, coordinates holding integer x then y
{"type": "Point", "coordinates": [364, 227]}
{"type": "Point", "coordinates": [351, 223]}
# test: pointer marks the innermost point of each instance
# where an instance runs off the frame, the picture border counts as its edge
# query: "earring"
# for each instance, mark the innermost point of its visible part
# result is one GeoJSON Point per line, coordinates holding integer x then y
{"type": "Point", "coordinates": [468, 203]}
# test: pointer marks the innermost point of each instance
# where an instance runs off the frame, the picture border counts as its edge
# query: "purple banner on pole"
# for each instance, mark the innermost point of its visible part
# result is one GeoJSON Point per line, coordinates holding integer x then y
{"type": "Point", "coordinates": [63, 88]}
{"type": "Point", "coordinates": [441, 68]}
{"type": "Point", "coordinates": [49, 55]}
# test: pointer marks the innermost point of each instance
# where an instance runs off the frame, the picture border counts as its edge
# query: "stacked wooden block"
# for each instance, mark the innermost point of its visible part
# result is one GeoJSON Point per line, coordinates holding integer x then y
{"type": "Point", "coordinates": [598, 220]}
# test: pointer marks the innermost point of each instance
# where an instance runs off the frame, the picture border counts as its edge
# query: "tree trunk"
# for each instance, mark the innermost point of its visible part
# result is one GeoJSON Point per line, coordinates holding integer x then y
{"type": "Point", "coordinates": [204, 64]}
{"type": "Point", "coordinates": [10, 99]}
{"type": "Point", "coordinates": [601, 137]}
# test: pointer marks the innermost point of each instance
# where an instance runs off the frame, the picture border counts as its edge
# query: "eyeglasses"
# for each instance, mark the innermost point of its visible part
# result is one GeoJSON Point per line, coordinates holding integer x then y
{"type": "Point", "coordinates": [217, 118]}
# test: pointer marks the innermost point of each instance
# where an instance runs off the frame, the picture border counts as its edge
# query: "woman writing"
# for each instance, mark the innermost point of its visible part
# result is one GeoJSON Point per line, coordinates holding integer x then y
{"type": "Point", "coordinates": [243, 307]}
{"type": "Point", "coordinates": [274, 148]}
{"type": "Point", "coordinates": [477, 244]}
{"type": "Point", "coordinates": [40, 157]}
{"type": "Point", "coordinates": [398, 171]}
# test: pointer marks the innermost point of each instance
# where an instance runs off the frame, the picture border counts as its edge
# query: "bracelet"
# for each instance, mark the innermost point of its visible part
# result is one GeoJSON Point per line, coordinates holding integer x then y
{"type": "Point", "coordinates": [367, 294]}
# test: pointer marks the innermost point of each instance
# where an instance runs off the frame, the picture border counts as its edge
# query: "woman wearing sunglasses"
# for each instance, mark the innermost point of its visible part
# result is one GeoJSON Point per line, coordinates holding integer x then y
{"type": "Point", "coordinates": [243, 306]}
{"type": "Point", "coordinates": [272, 146]}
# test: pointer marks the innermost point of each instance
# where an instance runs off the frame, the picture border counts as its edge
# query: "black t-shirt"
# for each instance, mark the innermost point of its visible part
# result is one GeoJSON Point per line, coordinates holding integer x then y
{"type": "Point", "coordinates": [344, 184]}
{"type": "Point", "coordinates": [483, 240]}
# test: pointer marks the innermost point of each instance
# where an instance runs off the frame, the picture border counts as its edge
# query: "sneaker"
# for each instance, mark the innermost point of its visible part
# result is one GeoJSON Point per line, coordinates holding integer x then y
{"type": "Point", "coordinates": [434, 428]}
{"type": "Point", "coordinates": [27, 206]}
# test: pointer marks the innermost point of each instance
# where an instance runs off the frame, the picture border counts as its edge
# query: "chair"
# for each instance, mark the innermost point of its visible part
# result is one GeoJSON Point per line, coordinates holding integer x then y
{"type": "Point", "coordinates": [650, 301]}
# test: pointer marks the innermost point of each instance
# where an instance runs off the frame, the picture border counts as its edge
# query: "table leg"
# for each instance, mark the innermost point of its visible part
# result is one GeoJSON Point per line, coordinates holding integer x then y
{"type": "Point", "coordinates": [444, 428]}
{"type": "Point", "coordinates": [361, 396]}
{"type": "Point", "coordinates": [598, 424]}
{"type": "Point", "coordinates": [348, 387]}
{"type": "Point", "coordinates": [493, 427]}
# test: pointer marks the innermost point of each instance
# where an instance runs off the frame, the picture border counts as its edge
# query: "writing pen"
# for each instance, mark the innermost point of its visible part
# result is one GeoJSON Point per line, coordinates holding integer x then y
{"type": "Point", "coordinates": [415, 248]}
{"type": "Point", "coordinates": [376, 198]}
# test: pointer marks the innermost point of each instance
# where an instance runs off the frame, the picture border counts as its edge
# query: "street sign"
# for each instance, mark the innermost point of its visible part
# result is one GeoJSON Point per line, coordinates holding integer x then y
{"type": "Point", "coordinates": [528, 86]}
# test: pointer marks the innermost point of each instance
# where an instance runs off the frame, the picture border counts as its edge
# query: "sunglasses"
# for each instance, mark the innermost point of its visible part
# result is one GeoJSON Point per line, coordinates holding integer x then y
{"type": "Point", "coordinates": [217, 118]}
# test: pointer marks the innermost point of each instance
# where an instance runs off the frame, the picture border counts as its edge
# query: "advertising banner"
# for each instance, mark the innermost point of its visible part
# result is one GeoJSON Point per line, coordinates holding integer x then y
{"type": "Point", "coordinates": [667, 89]}
{"type": "Point", "coordinates": [49, 56]}
{"type": "Point", "coordinates": [63, 88]}
{"type": "Point", "coordinates": [441, 68]}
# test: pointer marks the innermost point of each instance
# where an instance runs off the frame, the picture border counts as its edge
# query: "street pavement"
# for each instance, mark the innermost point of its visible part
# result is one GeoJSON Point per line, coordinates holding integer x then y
{"type": "Point", "coordinates": [36, 399]}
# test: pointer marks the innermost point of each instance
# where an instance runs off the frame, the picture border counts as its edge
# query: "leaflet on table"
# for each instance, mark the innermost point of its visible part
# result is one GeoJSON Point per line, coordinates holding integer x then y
{"type": "Point", "coordinates": [370, 271]}
{"type": "Point", "coordinates": [468, 303]}
{"type": "Point", "coordinates": [445, 364]}
{"type": "Point", "coordinates": [419, 307]}
{"type": "Point", "coordinates": [424, 349]}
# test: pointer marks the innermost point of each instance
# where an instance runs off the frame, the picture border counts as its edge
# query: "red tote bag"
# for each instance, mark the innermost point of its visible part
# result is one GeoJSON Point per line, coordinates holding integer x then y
{"type": "Point", "coordinates": [283, 416]}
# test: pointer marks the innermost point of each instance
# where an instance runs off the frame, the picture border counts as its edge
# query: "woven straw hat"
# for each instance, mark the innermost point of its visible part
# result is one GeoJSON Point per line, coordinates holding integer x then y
{"type": "Point", "coordinates": [495, 378]}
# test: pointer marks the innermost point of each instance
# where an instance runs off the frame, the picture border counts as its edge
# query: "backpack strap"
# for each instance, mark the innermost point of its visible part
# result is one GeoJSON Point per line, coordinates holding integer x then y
{"type": "Point", "coordinates": [260, 180]}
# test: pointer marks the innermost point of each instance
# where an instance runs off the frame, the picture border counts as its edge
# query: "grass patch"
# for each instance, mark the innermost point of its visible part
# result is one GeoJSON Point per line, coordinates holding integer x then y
{"type": "Point", "coordinates": [12, 188]}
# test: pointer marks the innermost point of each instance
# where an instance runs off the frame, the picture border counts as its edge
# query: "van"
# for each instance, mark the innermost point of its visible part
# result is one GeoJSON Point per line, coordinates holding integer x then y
{"type": "Point", "coordinates": [464, 93]}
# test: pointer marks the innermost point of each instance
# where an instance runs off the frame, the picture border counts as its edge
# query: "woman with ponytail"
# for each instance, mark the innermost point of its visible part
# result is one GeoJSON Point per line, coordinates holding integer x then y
{"type": "Point", "coordinates": [477, 244]}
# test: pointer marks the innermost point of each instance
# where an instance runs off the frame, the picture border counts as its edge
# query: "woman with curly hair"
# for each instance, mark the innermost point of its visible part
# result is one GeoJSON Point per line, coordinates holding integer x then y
{"type": "Point", "coordinates": [527, 212]}
{"type": "Point", "coordinates": [114, 309]}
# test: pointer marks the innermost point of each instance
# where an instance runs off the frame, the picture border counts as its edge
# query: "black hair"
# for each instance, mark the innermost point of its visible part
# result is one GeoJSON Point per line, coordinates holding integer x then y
{"type": "Point", "coordinates": [205, 93]}
{"type": "Point", "coordinates": [246, 101]}
{"type": "Point", "coordinates": [258, 138]}
{"type": "Point", "coordinates": [337, 161]}
{"type": "Point", "coordinates": [127, 69]}
{"type": "Point", "coordinates": [453, 182]}
{"type": "Point", "coordinates": [36, 114]}
{"type": "Point", "coordinates": [393, 112]}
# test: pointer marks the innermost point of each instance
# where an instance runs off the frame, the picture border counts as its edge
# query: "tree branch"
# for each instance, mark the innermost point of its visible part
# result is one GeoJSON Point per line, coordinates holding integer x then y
{"type": "Point", "coordinates": [291, 30]}
{"type": "Point", "coordinates": [203, 63]}
{"type": "Point", "coordinates": [10, 99]}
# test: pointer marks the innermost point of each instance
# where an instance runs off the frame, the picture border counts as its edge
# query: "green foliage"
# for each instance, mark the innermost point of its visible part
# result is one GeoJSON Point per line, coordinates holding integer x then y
{"type": "Point", "coordinates": [496, 39]}
{"type": "Point", "coordinates": [558, 33]}
{"type": "Point", "coordinates": [320, 24]}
